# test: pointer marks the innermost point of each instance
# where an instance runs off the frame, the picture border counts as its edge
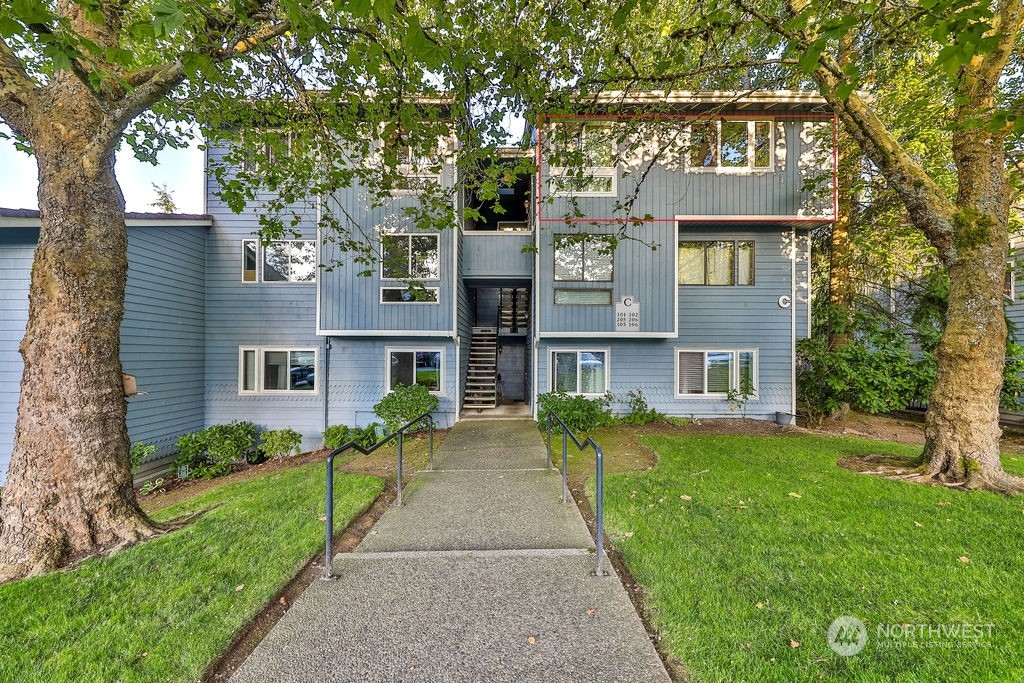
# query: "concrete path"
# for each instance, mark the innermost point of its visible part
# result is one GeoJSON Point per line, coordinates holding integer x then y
{"type": "Point", "coordinates": [483, 575]}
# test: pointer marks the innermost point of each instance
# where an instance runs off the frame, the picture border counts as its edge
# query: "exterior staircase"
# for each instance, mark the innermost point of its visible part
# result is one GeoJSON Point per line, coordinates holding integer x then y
{"type": "Point", "coordinates": [481, 383]}
{"type": "Point", "coordinates": [514, 309]}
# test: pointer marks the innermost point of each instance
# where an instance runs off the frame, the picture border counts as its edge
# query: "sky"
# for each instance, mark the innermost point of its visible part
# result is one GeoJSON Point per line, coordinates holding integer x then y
{"type": "Point", "coordinates": [181, 170]}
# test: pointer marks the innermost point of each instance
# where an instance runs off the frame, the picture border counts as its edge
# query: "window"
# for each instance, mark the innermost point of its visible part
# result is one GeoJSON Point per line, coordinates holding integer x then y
{"type": "Point", "coordinates": [416, 168]}
{"type": "Point", "coordinates": [276, 370]}
{"type": "Point", "coordinates": [720, 262]}
{"type": "Point", "coordinates": [583, 297]}
{"type": "Point", "coordinates": [263, 147]}
{"type": "Point", "coordinates": [1010, 281]}
{"type": "Point", "coordinates": [408, 295]}
{"type": "Point", "coordinates": [416, 366]}
{"type": "Point", "coordinates": [715, 373]}
{"type": "Point", "coordinates": [583, 159]}
{"type": "Point", "coordinates": [282, 261]}
{"type": "Point", "coordinates": [584, 258]}
{"type": "Point", "coordinates": [729, 145]}
{"type": "Point", "coordinates": [579, 372]}
{"type": "Point", "coordinates": [410, 257]}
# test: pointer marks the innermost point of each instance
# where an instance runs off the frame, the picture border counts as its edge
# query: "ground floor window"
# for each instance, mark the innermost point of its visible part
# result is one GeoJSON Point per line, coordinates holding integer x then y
{"type": "Point", "coordinates": [579, 371]}
{"type": "Point", "coordinates": [276, 370]}
{"type": "Point", "coordinates": [716, 372]}
{"type": "Point", "coordinates": [406, 367]}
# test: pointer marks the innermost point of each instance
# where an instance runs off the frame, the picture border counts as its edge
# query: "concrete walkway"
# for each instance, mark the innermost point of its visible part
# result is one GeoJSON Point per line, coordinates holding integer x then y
{"type": "Point", "coordinates": [483, 575]}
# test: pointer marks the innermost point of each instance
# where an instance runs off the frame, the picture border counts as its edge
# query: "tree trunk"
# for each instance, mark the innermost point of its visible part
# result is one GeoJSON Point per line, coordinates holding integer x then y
{"type": "Point", "coordinates": [962, 423]}
{"type": "Point", "coordinates": [69, 489]}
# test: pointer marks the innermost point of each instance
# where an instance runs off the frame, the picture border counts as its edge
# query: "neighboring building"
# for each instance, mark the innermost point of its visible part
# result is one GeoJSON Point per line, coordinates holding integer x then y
{"type": "Point", "coordinates": [704, 292]}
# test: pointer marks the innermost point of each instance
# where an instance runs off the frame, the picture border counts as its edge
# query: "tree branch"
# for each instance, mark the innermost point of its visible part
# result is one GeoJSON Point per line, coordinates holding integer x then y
{"type": "Point", "coordinates": [19, 96]}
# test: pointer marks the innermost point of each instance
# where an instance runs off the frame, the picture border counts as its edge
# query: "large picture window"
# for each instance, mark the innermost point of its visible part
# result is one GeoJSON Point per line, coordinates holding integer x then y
{"type": "Point", "coordinates": [582, 159]}
{"type": "Point", "coordinates": [276, 370]}
{"type": "Point", "coordinates": [718, 262]}
{"type": "Point", "coordinates": [410, 257]}
{"type": "Point", "coordinates": [729, 145]}
{"type": "Point", "coordinates": [716, 372]}
{"type": "Point", "coordinates": [280, 261]}
{"type": "Point", "coordinates": [584, 258]}
{"type": "Point", "coordinates": [578, 371]}
{"type": "Point", "coordinates": [406, 367]}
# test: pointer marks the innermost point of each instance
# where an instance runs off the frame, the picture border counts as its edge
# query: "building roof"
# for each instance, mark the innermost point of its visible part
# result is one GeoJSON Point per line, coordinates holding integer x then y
{"type": "Point", "coordinates": [29, 218]}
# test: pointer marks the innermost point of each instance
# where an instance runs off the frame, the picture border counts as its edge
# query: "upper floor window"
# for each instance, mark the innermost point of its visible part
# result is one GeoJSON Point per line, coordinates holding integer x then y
{"type": "Point", "coordinates": [584, 258]}
{"type": "Point", "coordinates": [728, 145]}
{"type": "Point", "coordinates": [276, 370]}
{"type": "Point", "coordinates": [279, 261]}
{"type": "Point", "coordinates": [582, 159]}
{"type": "Point", "coordinates": [720, 262]}
{"type": "Point", "coordinates": [263, 147]}
{"type": "Point", "coordinates": [417, 165]}
{"type": "Point", "coordinates": [410, 257]}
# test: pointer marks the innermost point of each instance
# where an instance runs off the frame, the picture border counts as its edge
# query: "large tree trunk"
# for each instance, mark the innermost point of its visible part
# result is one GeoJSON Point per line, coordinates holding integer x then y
{"type": "Point", "coordinates": [69, 490]}
{"type": "Point", "coordinates": [962, 423]}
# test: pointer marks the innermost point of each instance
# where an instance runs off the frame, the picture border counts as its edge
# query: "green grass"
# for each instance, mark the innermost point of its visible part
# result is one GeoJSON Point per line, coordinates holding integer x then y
{"type": "Point", "coordinates": [163, 610]}
{"type": "Point", "coordinates": [776, 541]}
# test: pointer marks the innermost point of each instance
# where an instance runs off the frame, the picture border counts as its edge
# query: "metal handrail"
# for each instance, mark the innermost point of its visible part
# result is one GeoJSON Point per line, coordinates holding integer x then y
{"type": "Point", "coordinates": [582, 445]}
{"type": "Point", "coordinates": [397, 434]}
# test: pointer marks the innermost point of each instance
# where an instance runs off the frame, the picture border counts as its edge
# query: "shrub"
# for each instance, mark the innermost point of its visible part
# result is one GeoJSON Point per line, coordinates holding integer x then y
{"type": "Point", "coordinates": [579, 414]}
{"type": "Point", "coordinates": [210, 452]}
{"type": "Point", "coordinates": [140, 451]}
{"type": "Point", "coordinates": [403, 404]}
{"type": "Point", "coordinates": [639, 412]}
{"type": "Point", "coordinates": [339, 435]}
{"type": "Point", "coordinates": [279, 443]}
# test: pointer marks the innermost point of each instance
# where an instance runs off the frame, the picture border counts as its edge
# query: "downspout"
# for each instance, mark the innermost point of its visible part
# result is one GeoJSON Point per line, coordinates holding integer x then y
{"type": "Point", "coordinates": [327, 382]}
{"type": "Point", "coordinates": [792, 328]}
{"type": "Point", "coordinates": [537, 223]}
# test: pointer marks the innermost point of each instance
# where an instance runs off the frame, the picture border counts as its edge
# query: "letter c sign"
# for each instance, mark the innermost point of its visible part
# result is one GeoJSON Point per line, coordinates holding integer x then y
{"type": "Point", "coordinates": [785, 301]}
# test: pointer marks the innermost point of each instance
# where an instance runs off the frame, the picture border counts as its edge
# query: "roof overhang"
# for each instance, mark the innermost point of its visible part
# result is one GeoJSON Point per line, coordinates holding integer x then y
{"type": "Point", "coordinates": [29, 218]}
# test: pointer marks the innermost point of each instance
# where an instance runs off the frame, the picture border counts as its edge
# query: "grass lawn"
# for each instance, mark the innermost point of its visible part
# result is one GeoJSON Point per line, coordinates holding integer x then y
{"type": "Point", "coordinates": [163, 610]}
{"type": "Point", "coordinates": [749, 548]}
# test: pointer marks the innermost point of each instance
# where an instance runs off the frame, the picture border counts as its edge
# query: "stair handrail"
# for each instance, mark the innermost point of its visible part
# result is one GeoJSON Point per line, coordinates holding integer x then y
{"type": "Point", "coordinates": [397, 434]}
{"type": "Point", "coordinates": [599, 504]}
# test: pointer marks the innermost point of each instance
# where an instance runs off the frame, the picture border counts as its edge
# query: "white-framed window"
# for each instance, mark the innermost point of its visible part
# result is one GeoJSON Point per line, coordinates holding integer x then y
{"type": "Point", "coordinates": [728, 145]}
{"type": "Point", "coordinates": [716, 262]}
{"type": "Point", "coordinates": [409, 366]}
{"type": "Point", "coordinates": [263, 147]}
{"type": "Point", "coordinates": [582, 159]}
{"type": "Point", "coordinates": [409, 295]}
{"type": "Point", "coordinates": [580, 371]}
{"type": "Point", "coordinates": [281, 261]}
{"type": "Point", "coordinates": [583, 297]}
{"type": "Point", "coordinates": [276, 370]}
{"type": "Point", "coordinates": [416, 168]}
{"type": "Point", "coordinates": [584, 258]}
{"type": "Point", "coordinates": [716, 372]}
{"type": "Point", "coordinates": [410, 257]}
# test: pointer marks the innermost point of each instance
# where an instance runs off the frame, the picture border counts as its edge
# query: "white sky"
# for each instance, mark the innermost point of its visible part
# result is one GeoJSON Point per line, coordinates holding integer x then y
{"type": "Point", "coordinates": [181, 170]}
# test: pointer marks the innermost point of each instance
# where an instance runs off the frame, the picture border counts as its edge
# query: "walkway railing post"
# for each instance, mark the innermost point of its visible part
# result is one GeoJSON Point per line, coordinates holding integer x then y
{"type": "Point", "coordinates": [431, 456]}
{"type": "Point", "coordinates": [329, 518]}
{"type": "Point", "coordinates": [398, 502]}
{"type": "Point", "coordinates": [549, 440]}
{"type": "Point", "coordinates": [600, 571]}
{"type": "Point", "coordinates": [565, 463]}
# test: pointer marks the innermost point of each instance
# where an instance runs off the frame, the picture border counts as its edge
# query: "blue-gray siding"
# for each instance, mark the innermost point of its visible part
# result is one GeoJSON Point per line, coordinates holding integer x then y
{"type": "Point", "coordinates": [257, 314]}
{"type": "Point", "coordinates": [161, 336]}
{"type": "Point", "coordinates": [491, 255]}
{"type": "Point", "coordinates": [358, 374]}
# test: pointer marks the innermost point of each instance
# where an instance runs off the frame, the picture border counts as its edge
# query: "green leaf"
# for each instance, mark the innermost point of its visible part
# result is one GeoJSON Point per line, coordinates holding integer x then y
{"type": "Point", "coordinates": [8, 26]}
{"type": "Point", "coordinates": [31, 11]}
{"type": "Point", "coordinates": [167, 17]}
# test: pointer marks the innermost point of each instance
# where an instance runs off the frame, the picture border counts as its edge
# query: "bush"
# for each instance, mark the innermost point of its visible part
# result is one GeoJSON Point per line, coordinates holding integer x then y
{"type": "Point", "coordinates": [639, 412]}
{"type": "Point", "coordinates": [210, 452]}
{"type": "Point", "coordinates": [403, 404]}
{"type": "Point", "coordinates": [140, 451]}
{"type": "Point", "coordinates": [579, 414]}
{"type": "Point", "coordinates": [279, 443]}
{"type": "Point", "coordinates": [339, 435]}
